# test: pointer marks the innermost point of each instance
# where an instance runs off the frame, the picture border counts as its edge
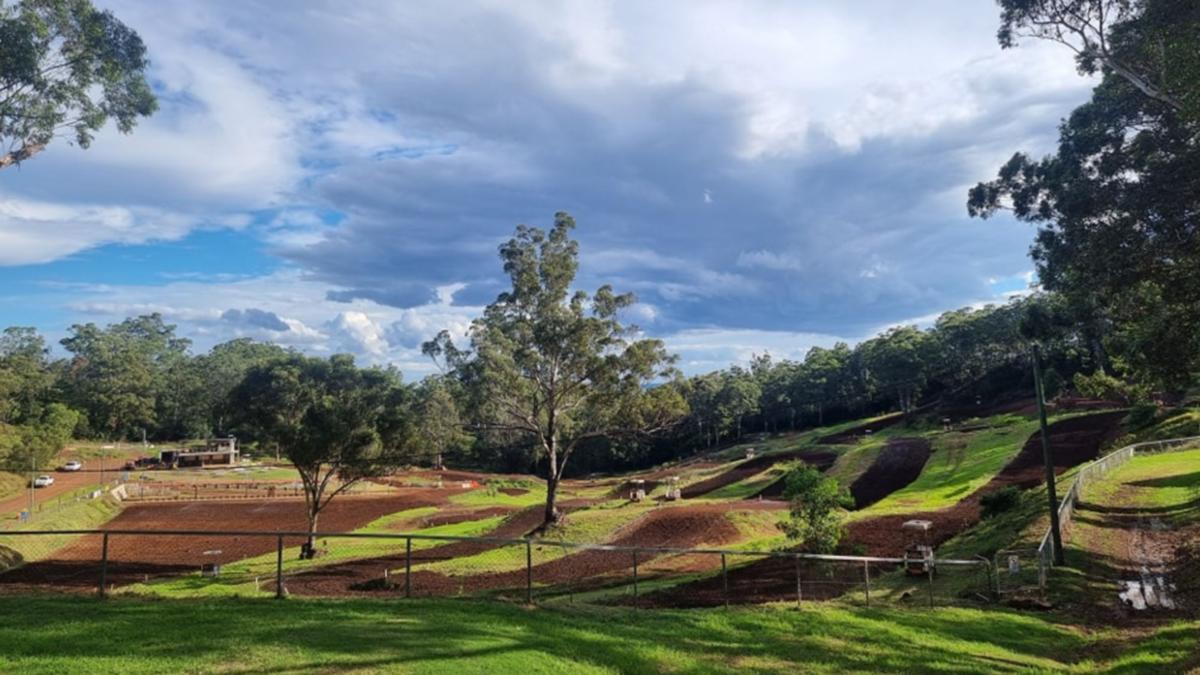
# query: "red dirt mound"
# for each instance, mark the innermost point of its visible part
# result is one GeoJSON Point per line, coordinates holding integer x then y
{"type": "Point", "coordinates": [682, 527]}
{"type": "Point", "coordinates": [455, 517]}
{"type": "Point", "coordinates": [852, 435]}
{"type": "Point", "coordinates": [747, 469]}
{"type": "Point", "coordinates": [514, 492]}
{"type": "Point", "coordinates": [898, 464]}
{"type": "Point", "coordinates": [819, 459]}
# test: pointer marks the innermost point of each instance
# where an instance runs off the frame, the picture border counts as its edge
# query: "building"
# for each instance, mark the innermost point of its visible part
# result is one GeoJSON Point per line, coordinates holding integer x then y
{"type": "Point", "coordinates": [216, 452]}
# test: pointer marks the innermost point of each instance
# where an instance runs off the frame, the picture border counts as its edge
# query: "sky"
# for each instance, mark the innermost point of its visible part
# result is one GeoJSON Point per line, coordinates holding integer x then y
{"type": "Point", "coordinates": [337, 176]}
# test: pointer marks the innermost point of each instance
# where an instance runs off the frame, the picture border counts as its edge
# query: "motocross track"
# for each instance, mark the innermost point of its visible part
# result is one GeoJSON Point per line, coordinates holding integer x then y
{"type": "Point", "coordinates": [1073, 442]}
{"type": "Point", "coordinates": [670, 527]}
{"type": "Point", "coordinates": [752, 467]}
{"type": "Point", "coordinates": [133, 558]}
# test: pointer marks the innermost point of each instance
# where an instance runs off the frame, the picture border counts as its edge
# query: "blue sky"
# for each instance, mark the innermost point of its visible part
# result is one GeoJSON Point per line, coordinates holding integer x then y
{"type": "Point", "coordinates": [337, 176]}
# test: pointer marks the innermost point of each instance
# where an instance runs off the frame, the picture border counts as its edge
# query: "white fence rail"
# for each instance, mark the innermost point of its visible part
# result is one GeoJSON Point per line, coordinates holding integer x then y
{"type": "Point", "coordinates": [1089, 475]}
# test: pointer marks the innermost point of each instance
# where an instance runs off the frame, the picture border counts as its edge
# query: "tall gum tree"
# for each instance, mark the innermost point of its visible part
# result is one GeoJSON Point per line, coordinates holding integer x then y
{"type": "Point", "coordinates": [558, 366]}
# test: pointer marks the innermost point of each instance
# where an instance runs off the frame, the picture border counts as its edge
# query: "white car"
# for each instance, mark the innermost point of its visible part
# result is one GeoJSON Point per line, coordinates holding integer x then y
{"type": "Point", "coordinates": [43, 481]}
{"type": "Point", "coordinates": [73, 465]}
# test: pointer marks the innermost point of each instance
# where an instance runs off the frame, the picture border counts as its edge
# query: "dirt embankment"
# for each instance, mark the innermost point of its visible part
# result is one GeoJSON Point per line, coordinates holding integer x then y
{"type": "Point", "coordinates": [897, 464]}
{"type": "Point", "coordinates": [752, 467]}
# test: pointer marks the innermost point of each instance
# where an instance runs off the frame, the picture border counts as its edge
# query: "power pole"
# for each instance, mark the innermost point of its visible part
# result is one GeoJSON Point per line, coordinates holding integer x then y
{"type": "Point", "coordinates": [1047, 458]}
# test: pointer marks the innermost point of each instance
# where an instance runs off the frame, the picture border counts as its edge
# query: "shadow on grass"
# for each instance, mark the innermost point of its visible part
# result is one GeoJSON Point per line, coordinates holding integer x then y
{"type": "Point", "coordinates": [270, 636]}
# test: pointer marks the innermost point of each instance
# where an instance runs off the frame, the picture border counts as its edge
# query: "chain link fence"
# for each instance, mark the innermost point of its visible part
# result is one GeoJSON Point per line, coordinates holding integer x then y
{"type": "Point", "coordinates": [208, 563]}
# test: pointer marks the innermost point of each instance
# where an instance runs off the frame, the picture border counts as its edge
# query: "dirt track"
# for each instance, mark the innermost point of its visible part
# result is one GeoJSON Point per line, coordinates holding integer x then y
{"type": "Point", "coordinates": [131, 558]}
{"type": "Point", "coordinates": [672, 527]}
{"type": "Point", "coordinates": [854, 434]}
{"type": "Point", "coordinates": [898, 464]}
{"type": "Point", "coordinates": [752, 467]}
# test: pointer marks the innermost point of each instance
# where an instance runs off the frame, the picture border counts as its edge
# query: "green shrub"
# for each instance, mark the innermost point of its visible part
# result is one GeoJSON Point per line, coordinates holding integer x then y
{"type": "Point", "coordinates": [1142, 415]}
{"type": "Point", "coordinates": [1000, 501]}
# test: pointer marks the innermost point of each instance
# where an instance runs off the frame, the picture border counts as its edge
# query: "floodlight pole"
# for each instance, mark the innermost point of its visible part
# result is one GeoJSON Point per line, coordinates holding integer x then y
{"type": "Point", "coordinates": [1047, 458]}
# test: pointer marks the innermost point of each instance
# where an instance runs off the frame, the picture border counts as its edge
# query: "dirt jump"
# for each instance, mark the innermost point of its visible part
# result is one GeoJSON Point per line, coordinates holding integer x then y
{"type": "Point", "coordinates": [898, 464]}
{"type": "Point", "coordinates": [752, 467]}
{"type": "Point", "coordinates": [668, 527]}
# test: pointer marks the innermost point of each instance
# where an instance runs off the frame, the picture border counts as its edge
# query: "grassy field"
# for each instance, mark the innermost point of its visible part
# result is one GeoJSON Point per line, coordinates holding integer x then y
{"type": "Point", "coordinates": [259, 635]}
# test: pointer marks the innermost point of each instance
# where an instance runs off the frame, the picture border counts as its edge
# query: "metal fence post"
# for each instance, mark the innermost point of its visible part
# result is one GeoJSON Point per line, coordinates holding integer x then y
{"type": "Point", "coordinates": [279, 567]}
{"type": "Point", "coordinates": [930, 566]}
{"type": "Point", "coordinates": [635, 578]}
{"type": "Point", "coordinates": [867, 578]}
{"type": "Point", "coordinates": [104, 566]}
{"type": "Point", "coordinates": [408, 567]}
{"type": "Point", "coordinates": [725, 579]}
{"type": "Point", "coordinates": [529, 571]}
{"type": "Point", "coordinates": [799, 589]}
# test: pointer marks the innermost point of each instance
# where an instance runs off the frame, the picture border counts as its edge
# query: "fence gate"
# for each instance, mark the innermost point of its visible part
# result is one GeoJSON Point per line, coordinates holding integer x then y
{"type": "Point", "coordinates": [1020, 572]}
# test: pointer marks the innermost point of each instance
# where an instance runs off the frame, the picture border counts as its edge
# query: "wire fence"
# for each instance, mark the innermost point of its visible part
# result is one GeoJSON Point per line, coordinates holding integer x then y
{"type": "Point", "coordinates": [1089, 475]}
{"type": "Point", "coordinates": [204, 563]}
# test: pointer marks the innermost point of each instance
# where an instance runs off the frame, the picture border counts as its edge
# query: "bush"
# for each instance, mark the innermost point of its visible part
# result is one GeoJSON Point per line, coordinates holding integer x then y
{"type": "Point", "coordinates": [1142, 415]}
{"type": "Point", "coordinates": [1000, 501]}
{"type": "Point", "coordinates": [1099, 385]}
{"type": "Point", "coordinates": [815, 505]}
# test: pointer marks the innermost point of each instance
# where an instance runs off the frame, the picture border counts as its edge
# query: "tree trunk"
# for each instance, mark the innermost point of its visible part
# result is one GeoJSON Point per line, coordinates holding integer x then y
{"type": "Point", "coordinates": [552, 476]}
{"type": "Point", "coordinates": [21, 154]}
{"type": "Point", "coordinates": [309, 550]}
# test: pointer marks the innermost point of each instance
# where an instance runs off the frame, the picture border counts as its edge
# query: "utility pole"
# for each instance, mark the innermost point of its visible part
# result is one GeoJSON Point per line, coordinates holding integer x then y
{"type": "Point", "coordinates": [1047, 458]}
{"type": "Point", "coordinates": [32, 477]}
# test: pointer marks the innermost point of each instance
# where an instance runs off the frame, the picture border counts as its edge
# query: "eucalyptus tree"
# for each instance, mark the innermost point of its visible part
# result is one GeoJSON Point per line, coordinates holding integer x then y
{"type": "Point", "coordinates": [557, 366]}
{"type": "Point", "coordinates": [66, 67]}
{"type": "Point", "coordinates": [1116, 204]}
{"type": "Point", "coordinates": [440, 426]}
{"type": "Point", "coordinates": [336, 423]}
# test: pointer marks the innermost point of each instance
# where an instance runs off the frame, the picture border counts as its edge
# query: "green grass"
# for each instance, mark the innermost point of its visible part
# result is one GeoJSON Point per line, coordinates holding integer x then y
{"type": "Point", "coordinates": [1161, 487]}
{"type": "Point", "coordinates": [491, 496]}
{"type": "Point", "coordinates": [86, 635]}
{"type": "Point", "coordinates": [83, 515]}
{"type": "Point", "coordinates": [11, 484]}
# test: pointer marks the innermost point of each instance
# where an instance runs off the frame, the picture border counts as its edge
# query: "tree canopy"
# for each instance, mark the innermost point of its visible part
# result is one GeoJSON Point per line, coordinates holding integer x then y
{"type": "Point", "coordinates": [66, 68]}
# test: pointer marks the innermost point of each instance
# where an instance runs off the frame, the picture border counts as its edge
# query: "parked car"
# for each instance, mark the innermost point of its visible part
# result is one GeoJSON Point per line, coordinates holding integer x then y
{"type": "Point", "coordinates": [43, 481]}
{"type": "Point", "coordinates": [73, 465]}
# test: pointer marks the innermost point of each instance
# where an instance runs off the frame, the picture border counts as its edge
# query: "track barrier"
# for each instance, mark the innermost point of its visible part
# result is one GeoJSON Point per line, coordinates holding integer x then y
{"type": "Point", "coordinates": [530, 571]}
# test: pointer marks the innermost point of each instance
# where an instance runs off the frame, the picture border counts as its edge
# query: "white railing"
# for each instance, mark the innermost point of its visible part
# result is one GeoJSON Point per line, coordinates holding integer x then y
{"type": "Point", "coordinates": [1089, 475]}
